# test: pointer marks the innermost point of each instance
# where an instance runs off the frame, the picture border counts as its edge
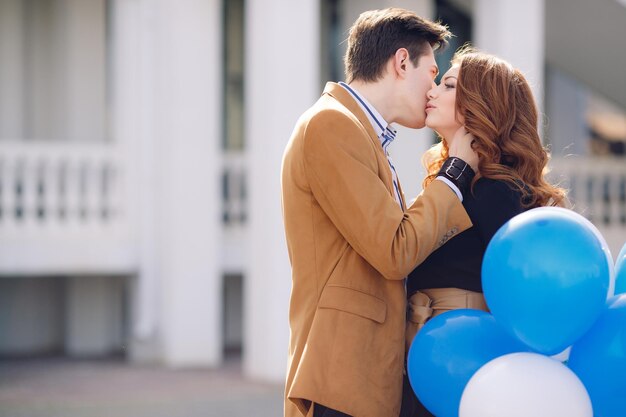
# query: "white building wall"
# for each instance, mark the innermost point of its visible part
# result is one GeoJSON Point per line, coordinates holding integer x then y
{"type": "Point", "coordinates": [165, 96]}
{"type": "Point", "coordinates": [166, 92]}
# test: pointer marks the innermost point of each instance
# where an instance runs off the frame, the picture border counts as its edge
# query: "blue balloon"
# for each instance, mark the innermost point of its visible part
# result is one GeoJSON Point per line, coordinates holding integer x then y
{"type": "Point", "coordinates": [599, 360]}
{"type": "Point", "coordinates": [545, 277]}
{"type": "Point", "coordinates": [620, 272]}
{"type": "Point", "coordinates": [605, 246]}
{"type": "Point", "coordinates": [448, 350]}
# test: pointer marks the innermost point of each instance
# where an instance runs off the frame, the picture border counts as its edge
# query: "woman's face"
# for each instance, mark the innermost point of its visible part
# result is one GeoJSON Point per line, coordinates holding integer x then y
{"type": "Point", "coordinates": [441, 106]}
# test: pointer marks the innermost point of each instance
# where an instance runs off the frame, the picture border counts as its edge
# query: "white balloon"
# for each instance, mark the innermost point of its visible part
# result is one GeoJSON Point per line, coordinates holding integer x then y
{"type": "Point", "coordinates": [525, 385]}
{"type": "Point", "coordinates": [605, 246]}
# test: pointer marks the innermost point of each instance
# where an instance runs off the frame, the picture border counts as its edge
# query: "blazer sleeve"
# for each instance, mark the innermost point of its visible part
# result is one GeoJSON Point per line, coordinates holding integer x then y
{"type": "Point", "coordinates": [342, 170]}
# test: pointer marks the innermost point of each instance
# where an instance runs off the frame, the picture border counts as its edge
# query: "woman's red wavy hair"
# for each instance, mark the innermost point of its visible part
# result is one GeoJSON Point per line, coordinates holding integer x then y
{"type": "Point", "coordinates": [498, 109]}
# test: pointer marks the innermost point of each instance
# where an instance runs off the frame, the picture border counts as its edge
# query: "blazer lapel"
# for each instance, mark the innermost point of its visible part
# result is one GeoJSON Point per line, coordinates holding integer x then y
{"type": "Point", "coordinates": [341, 95]}
{"type": "Point", "coordinates": [345, 98]}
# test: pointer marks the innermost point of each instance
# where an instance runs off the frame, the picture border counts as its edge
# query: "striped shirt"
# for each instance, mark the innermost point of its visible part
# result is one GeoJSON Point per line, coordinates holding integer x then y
{"type": "Point", "coordinates": [386, 135]}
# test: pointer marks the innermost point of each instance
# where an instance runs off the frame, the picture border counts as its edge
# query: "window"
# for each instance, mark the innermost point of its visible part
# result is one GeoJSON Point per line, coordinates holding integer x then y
{"type": "Point", "coordinates": [461, 26]}
{"type": "Point", "coordinates": [233, 41]}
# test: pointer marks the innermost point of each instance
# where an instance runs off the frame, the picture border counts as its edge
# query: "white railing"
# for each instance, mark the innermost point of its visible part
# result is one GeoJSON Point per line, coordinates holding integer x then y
{"type": "Point", "coordinates": [63, 207]}
{"type": "Point", "coordinates": [597, 189]}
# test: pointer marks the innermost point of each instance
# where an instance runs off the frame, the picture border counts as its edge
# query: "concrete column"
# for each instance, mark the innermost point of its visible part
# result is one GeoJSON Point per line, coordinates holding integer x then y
{"type": "Point", "coordinates": [514, 30]}
{"type": "Point", "coordinates": [12, 69]}
{"type": "Point", "coordinates": [133, 115]}
{"type": "Point", "coordinates": [167, 118]}
{"type": "Point", "coordinates": [187, 132]}
{"type": "Point", "coordinates": [282, 81]}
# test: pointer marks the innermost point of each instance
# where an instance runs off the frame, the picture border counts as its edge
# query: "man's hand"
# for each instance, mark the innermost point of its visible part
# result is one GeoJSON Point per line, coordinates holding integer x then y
{"type": "Point", "coordinates": [461, 147]}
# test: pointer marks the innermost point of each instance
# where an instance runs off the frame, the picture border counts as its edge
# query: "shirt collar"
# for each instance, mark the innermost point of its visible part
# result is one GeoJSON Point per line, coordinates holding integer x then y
{"type": "Point", "coordinates": [386, 134]}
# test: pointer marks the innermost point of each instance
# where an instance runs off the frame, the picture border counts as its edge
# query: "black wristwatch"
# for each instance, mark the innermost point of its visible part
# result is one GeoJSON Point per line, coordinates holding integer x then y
{"type": "Point", "coordinates": [458, 172]}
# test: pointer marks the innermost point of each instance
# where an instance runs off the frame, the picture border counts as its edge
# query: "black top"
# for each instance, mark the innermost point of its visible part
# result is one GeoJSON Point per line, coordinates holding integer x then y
{"type": "Point", "coordinates": [458, 262]}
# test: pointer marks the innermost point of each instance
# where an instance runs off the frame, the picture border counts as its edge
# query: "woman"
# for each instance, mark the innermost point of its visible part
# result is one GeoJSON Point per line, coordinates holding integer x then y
{"type": "Point", "coordinates": [493, 102]}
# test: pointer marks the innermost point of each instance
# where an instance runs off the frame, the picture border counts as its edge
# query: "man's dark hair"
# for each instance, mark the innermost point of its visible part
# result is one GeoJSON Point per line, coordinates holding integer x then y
{"type": "Point", "coordinates": [378, 34]}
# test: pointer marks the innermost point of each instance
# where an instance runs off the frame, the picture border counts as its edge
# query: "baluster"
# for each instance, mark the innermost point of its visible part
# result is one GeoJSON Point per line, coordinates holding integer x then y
{"type": "Point", "coordinates": [579, 185]}
{"type": "Point", "coordinates": [573, 192]}
{"type": "Point", "coordinates": [622, 200]}
{"type": "Point", "coordinates": [115, 196]}
{"type": "Point", "coordinates": [91, 190]}
{"type": "Point", "coordinates": [606, 199]}
{"type": "Point", "coordinates": [72, 192]}
{"type": "Point", "coordinates": [18, 190]}
{"type": "Point", "coordinates": [10, 193]}
{"type": "Point", "coordinates": [40, 205]}
{"type": "Point", "coordinates": [235, 194]}
{"type": "Point", "coordinates": [101, 210]}
{"type": "Point", "coordinates": [613, 206]}
{"type": "Point", "coordinates": [51, 191]}
{"type": "Point", "coordinates": [3, 191]}
{"type": "Point", "coordinates": [97, 190]}
{"type": "Point", "coordinates": [242, 195]}
{"type": "Point", "coordinates": [30, 191]}
{"type": "Point", "coordinates": [589, 201]}
{"type": "Point", "coordinates": [61, 191]}
{"type": "Point", "coordinates": [234, 191]}
{"type": "Point", "coordinates": [83, 189]}
{"type": "Point", "coordinates": [105, 209]}
{"type": "Point", "coordinates": [226, 195]}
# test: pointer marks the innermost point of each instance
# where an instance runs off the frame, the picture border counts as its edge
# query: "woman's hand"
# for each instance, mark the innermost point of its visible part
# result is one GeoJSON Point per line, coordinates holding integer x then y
{"type": "Point", "coordinates": [461, 147]}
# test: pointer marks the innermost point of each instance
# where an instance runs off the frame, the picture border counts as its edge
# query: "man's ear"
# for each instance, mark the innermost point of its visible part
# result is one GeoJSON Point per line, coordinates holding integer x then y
{"type": "Point", "coordinates": [401, 62]}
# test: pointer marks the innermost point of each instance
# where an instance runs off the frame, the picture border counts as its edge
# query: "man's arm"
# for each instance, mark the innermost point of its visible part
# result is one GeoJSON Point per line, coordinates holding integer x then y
{"type": "Point", "coordinates": [342, 169]}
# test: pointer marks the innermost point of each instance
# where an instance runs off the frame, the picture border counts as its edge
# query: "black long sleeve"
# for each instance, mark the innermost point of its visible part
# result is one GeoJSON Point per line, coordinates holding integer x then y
{"type": "Point", "coordinates": [458, 263]}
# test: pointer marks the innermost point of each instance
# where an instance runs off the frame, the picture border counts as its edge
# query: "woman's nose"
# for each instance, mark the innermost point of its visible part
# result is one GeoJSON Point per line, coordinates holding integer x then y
{"type": "Point", "coordinates": [431, 93]}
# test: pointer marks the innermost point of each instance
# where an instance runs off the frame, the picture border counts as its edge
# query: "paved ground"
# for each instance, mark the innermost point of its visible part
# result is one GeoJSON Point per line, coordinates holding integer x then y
{"type": "Point", "coordinates": [70, 388]}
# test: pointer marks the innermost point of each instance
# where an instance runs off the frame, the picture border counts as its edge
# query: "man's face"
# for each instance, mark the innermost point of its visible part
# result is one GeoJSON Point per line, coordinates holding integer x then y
{"type": "Point", "coordinates": [414, 88]}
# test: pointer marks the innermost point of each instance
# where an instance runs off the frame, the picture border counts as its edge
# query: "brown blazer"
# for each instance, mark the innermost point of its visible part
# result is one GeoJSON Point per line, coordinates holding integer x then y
{"type": "Point", "coordinates": [350, 247]}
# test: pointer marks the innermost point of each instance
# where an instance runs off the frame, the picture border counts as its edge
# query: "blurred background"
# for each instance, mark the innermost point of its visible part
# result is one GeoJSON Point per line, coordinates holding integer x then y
{"type": "Point", "coordinates": [142, 252]}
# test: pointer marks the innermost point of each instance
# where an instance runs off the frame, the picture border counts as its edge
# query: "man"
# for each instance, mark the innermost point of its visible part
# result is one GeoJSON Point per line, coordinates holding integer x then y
{"type": "Point", "coordinates": [350, 236]}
